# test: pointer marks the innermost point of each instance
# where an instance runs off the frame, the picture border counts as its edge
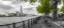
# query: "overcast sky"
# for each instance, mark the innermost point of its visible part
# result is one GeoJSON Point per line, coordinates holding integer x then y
{"type": "Point", "coordinates": [14, 5]}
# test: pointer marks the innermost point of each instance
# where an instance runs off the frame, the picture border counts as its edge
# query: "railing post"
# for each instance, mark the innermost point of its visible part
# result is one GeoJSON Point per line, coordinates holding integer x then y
{"type": "Point", "coordinates": [14, 25]}
{"type": "Point", "coordinates": [34, 21]}
{"type": "Point", "coordinates": [23, 24]}
{"type": "Point", "coordinates": [31, 22]}
{"type": "Point", "coordinates": [28, 23]}
{"type": "Point", "coordinates": [8, 26]}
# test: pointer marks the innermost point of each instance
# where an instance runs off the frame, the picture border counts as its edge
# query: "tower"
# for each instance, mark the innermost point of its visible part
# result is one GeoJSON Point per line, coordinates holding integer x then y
{"type": "Point", "coordinates": [21, 11]}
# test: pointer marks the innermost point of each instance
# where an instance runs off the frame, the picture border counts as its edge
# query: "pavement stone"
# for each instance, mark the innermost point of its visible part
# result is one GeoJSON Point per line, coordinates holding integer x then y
{"type": "Point", "coordinates": [41, 24]}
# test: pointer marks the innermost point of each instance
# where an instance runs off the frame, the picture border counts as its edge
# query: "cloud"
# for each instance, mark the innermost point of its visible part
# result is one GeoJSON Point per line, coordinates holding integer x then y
{"type": "Point", "coordinates": [16, 2]}
{"type": "Point", "coordinates": [7, 0]}
{"type": "Point", "coordinates": [5, 6]}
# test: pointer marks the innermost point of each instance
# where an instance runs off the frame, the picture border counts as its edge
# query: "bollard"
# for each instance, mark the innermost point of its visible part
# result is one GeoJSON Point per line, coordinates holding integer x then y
{"type": "Point", "coordinates": [14, 25]}
{"type": "Point", "coordinates": [28, 24]}
{"type": "Point", "coordinates": [8, 26]}
{"type": "Point", "coordinates": [23, 24]}
{"type": "Point", "coordinates": [31, 22]}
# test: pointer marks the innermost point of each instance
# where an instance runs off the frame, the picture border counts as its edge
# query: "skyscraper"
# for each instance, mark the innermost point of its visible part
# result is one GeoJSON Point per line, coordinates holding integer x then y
{"type": "Point", "coordinates": [21, 11]}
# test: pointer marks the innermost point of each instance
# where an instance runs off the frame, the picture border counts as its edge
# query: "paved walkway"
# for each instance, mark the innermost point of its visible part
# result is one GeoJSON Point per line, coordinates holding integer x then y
{"type": "Point", "coordinates": [40, 24]}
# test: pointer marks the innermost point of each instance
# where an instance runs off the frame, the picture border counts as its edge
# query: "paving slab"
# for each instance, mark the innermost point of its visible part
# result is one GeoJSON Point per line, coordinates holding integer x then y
{"type": "Point", "coordinates": [41, 24]}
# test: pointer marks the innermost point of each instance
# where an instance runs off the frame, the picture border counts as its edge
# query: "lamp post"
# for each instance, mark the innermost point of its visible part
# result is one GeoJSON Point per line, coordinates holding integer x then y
{"type": "Point", "coordinates": [54, 6]}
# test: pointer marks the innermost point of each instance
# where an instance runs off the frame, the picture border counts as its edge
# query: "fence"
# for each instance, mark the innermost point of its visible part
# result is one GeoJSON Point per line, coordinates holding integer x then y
{"type": "Point", "coordinates": [23, 24]}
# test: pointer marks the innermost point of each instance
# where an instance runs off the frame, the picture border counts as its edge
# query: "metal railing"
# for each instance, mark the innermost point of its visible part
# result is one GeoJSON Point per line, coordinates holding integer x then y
{"type": "Point", "coordinates": [23, 24]}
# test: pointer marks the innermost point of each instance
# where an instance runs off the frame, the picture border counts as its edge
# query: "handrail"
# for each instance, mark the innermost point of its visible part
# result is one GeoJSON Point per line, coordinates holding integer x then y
{"type": "Point", "coordinates": [29, 23]}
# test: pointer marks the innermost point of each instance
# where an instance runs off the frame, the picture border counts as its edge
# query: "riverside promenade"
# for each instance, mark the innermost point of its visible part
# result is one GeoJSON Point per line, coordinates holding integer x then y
{"type": "Point", "coordinates": [28, 22]}
{"type": "Point", "coordinates": [41, 24]}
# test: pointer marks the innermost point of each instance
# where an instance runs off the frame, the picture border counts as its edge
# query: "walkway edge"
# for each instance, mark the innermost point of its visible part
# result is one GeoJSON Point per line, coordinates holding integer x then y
{"type": "Point", "coordinates": [57, 24]}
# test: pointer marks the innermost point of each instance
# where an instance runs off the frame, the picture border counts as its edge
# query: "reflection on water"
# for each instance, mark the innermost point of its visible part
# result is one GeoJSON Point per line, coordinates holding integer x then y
{"type": "Point", "coordinates": [8, 20]}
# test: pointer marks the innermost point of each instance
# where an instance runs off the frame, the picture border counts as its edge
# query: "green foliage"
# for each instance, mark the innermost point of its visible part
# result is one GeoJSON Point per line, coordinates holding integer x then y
{"type": "Point", "coordinates": [57, 10]}
{"type": "Point", "coordinates": [62, 9]}
{"type": "Point", "coordinates": [33, 1]}
{"type": "Point", "coordinates": [24, 0]}
{"type": "Point", "coordinates": [44, 2]}
{"type": "Point", "coordinates": [41, 1]}
{"type": "Point", "coordinates": [44, 7]}
{"type": "Point", "coordinates": [60, 2]}
{"type": "Point", "coordinates": [2, 15]}
{"type": "Point", "coordinates": [39, 9]}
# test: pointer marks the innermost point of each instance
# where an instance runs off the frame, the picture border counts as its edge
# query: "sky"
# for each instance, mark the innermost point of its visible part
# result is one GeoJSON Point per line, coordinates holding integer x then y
{"type": "Point", "coordinates": [8, 6]}
{"type": "Point", "coordinates": [11, 6]}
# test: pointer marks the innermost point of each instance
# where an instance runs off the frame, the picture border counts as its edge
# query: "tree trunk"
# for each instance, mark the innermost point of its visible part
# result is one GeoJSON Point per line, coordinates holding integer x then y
{"type": "Point", "coordinates": [54, 12]}
{"type": "Point", "coordinates": [54, 5]}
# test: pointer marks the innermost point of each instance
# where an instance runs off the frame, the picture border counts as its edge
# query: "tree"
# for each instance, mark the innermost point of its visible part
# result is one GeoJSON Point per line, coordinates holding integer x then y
{"type": "Point", "coordinates": [54, 5]}
{"type": "Point", "coordinates": [2, 15]}
{"type": "Point", "coordinates": [44, 8]}
{"type": "Point", "coordinates": [62, 9]}
{"type": "Point", "coordinates": [57, 10]}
